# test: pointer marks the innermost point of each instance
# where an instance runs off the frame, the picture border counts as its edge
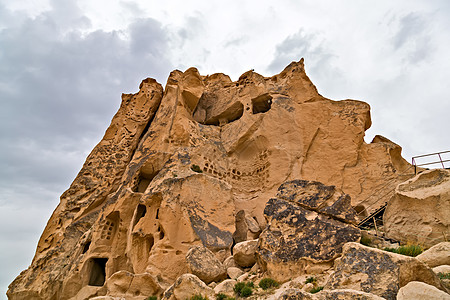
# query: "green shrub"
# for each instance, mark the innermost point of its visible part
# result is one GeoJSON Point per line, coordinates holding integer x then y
{"type": "Point", "coordinates": [311, 279]}
{"type": "Point", "coordinates": [267, 283]}
{"type": "Point", "coordinates": [444, 275]}
{"type": "Point", "coordinates": [246, 291]}
{"type": "Point", "coordinates": [365, 240]}
{"type": "Point", "coordinates": [410, 250]}
{"type": "Point", "coordinates": [316, 289]}
{"type": "Point", "coordinates": [221, 296]}
{"type": "Point", "coordinates": [198, 297]}
{"type": "Point", "coordinates": [238, 287]}
{"type": "Point", "coordinates": [196, 168]}
{"type": "Point", "coordinates": [152, 298]}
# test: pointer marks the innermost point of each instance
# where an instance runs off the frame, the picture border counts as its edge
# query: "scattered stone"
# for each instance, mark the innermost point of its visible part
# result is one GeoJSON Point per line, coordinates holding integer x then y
{"type": "Point", "coordinates": [234, 272]}
{"type": "Point", "coordinates": [442, 269]}
{"type": "Point", "coordinates": [243, 277]}
{"type": "Point", "coordinates": [437, 255]}
{"type": "Point", "coordinates": [229, 262]}
{"type": "Point", "coordinates": [203, 263]}
{"type": "Point", "coordinates": [186, 286]}
{"type": "Point", "coordinates": [421, 291]}
{"type": "Point", "coordinates": [226, 287]}
{"type": "Point", "coordinates": [378, 272]}
{"type": "Point", "coordinates": [244, 253]}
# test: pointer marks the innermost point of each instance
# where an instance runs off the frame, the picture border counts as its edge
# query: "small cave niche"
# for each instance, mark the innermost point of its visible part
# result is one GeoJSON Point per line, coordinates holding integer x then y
{"type": "Point", "coordinates": [86, 247]}
{"type": "Point", "coordinates": [141, 210]}
{"type": "Point", "coordinates": [97, 274]}
{"type": "Point", "coordinates": [360, 211]}
{"type": "Point", "coordinates": [261, 104]}
{"type": "Point", "coordinates": [146, 176]}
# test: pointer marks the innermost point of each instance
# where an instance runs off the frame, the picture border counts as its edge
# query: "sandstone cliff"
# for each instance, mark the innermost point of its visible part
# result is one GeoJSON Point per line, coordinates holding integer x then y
{"type": "Point", "coordinates": [177, 167]}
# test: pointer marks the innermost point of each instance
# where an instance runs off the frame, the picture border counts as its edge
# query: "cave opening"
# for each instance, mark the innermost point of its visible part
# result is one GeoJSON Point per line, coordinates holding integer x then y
{"type": "Point", "coordinates": [97, 274]}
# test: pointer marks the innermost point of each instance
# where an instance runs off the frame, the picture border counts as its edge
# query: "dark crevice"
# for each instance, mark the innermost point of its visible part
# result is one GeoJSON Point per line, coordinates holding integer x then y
{"type": "Point", "coordinates": [261, 104]}
{"type": "Point", "coordinates": [97, 274]}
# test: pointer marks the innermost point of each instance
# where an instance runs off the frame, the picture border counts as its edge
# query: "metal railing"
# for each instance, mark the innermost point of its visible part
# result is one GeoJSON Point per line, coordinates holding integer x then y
{"type": "Point", "coordinates": [441, 161]}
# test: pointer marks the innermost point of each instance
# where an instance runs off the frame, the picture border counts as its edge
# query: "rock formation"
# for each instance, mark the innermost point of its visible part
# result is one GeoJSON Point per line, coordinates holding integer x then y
{"type": "Point", "coordinates": [419, 211]}
{"type": "Point", "coordinates": [176, 167]}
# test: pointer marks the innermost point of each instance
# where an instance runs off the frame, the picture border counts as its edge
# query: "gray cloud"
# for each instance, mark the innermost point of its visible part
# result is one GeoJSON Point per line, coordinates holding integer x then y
{"type": "Point", "coordinates": [413, 37]}
{"type": "Point", "coordinates": [60, 86]}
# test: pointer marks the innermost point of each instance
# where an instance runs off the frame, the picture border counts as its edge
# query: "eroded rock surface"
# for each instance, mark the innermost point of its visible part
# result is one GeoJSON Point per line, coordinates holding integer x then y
{"type": "Point", "coordinates": [378, 272]}
{"type": "Point", "coordinates": [175, 166]}
{"type": "Point", "coordinates": [308, 223]}
{"type": "Point", "coordinates": [419, 212]}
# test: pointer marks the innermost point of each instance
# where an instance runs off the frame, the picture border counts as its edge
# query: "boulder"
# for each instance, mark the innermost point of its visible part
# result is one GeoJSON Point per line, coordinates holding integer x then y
{"type": "Point", "coordinates": [128, 285]}
{"type": "Point", "coordinates": [419, 212]}
{"type": "Point", "coordinates": [186, 286]}
{"type": "Point", "coordinates": [307, 228]}
{"type": "Point", "coordinates": [343, 294]}
{"type": "Point", "coordinates": [378, 272]}
{"type": "Point", "coordinates": [229, 262]}
{"type": "Point", "coordinates": [203, 263]}
{"type": "Point", "coordinates": [437, 255]}
{"type": "Point", "coordinates": [234, 272]}
{"type": "Point", "coordinates": [444, 269]}
{"type": "Point", "coordinates": [294, 294]}
{"type": "Point", "coordinates": [421, 291]}
{"type": "Point", "coordinates": [226, 287]}
{"type": "Point", "coordinates": [244, 253]}
{"type": "Point", "coordinates": [246, 227]}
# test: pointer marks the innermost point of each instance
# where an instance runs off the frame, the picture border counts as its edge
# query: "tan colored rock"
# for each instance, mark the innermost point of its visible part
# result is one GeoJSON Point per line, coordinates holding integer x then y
{"type": "Point", "coordinates": [244, 253]}
{"type": "Point", "coordinates": [442, 269]}
{"type": "Point", "coordinates": [378, 272]}
{"type": "Point", "coordinates": [226, 287]}
{"type": "Point", "coordinates": [247, 228]}
{"type": "Point", "coordinates": [420, 210]}
{"type": "Point", "coordinates": [346, 294]}
{"type": "Point", "coordinates": [234, 272]}
{"type": "Point", "coordinates": [126, 284]}
{"type": "Point", "coordinates": [229, 262]}
{"type": "Point", "coordinates": [202, 263]}
{"type": "Point", "coordinates": [176, 165]}
{"type": "Point", "coordinates": [421, 291]}
{"type": "Point", "coordinates": [186, 286]}
{"type": "Point", "coordinates": [437, 255]}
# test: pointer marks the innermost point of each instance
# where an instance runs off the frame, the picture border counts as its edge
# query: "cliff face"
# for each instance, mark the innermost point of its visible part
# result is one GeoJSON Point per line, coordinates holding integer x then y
{"type": "Point", "coordinates": [176, 166]}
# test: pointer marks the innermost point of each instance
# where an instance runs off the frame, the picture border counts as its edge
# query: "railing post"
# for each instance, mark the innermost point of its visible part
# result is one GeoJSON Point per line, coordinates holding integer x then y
{"type": "Point", "coordinates": [442, 163]}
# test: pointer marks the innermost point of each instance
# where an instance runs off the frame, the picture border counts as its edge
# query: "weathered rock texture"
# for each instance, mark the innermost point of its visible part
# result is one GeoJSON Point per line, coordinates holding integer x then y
{"type": "Point", "coordinates": [176, 165]}
{"type": "Point", "coordinates": [378, 272]}
{"type": "Point", "coordinates": [308, 223]}
{"type": "Point", "coordinates": [419, 212]}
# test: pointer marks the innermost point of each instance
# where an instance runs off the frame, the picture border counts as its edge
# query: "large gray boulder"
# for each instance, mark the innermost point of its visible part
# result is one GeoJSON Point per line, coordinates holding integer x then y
{"type": "Point", "coordinates": [378, 272]}
{"type": "Point", "coordinates": [308, 223]}
{"type": "Point", "coordinates": [421, 291]}
{"type": "Point", "coordinates": [203, 263]}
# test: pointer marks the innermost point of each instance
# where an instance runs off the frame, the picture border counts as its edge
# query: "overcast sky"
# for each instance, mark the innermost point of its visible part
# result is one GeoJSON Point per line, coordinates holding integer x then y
{"type": "Point", "coordinates": [65, 63]}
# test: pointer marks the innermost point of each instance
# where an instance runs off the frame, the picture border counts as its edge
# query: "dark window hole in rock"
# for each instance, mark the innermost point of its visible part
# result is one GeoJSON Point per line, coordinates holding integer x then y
{"type": "Point", "coordinates": [157, 214]}
{"type": "Point", "coordinates": [86, 247]}
{"type": "Point", "coordinates": [140, 213]}
{"type": "Point", "coordinates": [360, 211]}
{"type": "Point", "coordinates": [98, 271]}
{"type": "Point", "coordinates": [144, 180]}
{"type": "Point", "coordinates": [261, 104]}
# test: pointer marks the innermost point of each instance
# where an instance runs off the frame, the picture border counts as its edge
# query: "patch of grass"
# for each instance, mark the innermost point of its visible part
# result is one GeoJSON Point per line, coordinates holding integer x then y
{"type": "Point", "coordinates": [267, 283]}
{"type": "Point", "coordinates": [443, 275]}
{"type": "Point", "coordinates": [311, 279]}
{"type": "Point", "coordinates": [196, 168]}
{"type": "Point", "coordinates": [244, 289]}
{"type": "Point", "coordinates": [365, 240]}
{"type": "Point", "coordinates": [152, 298]}
{"type": "Point", "coordinates": [198, 297]}
{"type": "Point", "coordinates": [316, 289]}
{"type": "Point", "coordinates": [409, 250]}
{"type": "Point", "coordinates": [221, 296]}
